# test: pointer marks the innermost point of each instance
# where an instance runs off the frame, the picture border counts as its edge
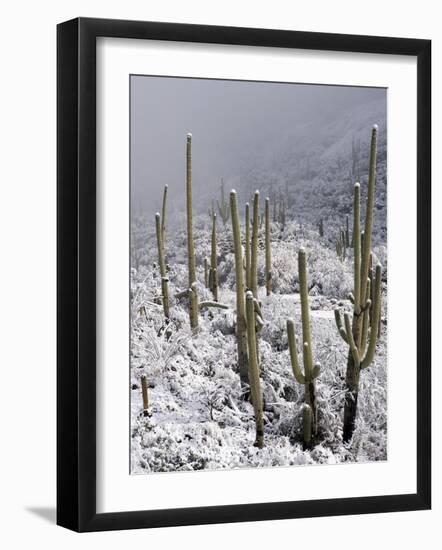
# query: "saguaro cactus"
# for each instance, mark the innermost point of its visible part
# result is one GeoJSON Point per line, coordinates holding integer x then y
{"type": "Point", "coordinates": [206, 271]}
{"type": "Point", "coordinates": [163, 213]}
{"type": "Point", "coordinates": [321, 227]}
{"type": "Point", "coordinates": [254, 252]}
{"type": "Point", "coordinates": [213, 273]}
{"type": "Point", "coordinates": [145, 395]}
{"type": "Point", "coordinates": [347, 233]}
{"type": "Point", "coordinates": [223, 205]}
{"type": "Point", "coordinates": [162, 264]}
{"type": "Point", "coordinates": [255, 386]}
{"type": "Point", "coordinates": [268, 262]}
{"type": "Point", "coordinates": [241, 334]}
{"type": "Point", "coordinates": [361, 333]}
{"type": "Point", "coordinates": [311, 371]}
{"type": "Point", "coordinates": [193, 312]}
{"type": "Point", "coordinates": [247, 245]}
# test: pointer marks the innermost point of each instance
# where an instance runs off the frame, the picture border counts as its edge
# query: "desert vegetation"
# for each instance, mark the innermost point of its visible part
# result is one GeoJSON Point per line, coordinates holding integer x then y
{"type": "Point", "coordinates": [249, 337]}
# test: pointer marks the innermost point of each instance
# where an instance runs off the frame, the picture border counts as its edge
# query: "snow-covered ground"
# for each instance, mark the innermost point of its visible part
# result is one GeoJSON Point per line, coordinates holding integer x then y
{"type": "Point", "coordinates": [198, 416]}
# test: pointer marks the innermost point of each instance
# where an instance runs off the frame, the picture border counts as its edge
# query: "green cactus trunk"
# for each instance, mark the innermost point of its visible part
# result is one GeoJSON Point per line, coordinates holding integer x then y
{"type": "Point", "coordinates": [254, 252]}
{"type": "Point", "coordinates": [162, 264]}
{"type": "Point", "coordinates": [163, 213]}
{"type": "Point", "coordinates": [206, 272]}
{"type": "Point", "coordinates": [247, 246]}
{"type": "Point", "coordinates": [255, 386]}
{"type": "Point", "coordinates": [268, 262]}
{"type": "Point", "coordinates": [310, 390]}
{"type": "Point", "coordinates": [145, 395]}
{"type": "Point", "coordinates": [214, 262]}
{"type": "Point", "coordinates": [193, 302]}
{"type": "Point", "coordinates": [241, 334]}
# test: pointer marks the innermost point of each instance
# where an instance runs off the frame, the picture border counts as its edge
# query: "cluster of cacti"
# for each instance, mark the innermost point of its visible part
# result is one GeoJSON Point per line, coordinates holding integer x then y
{"type": "Point", "coordinates": [192, 292]}
{"type": "Point", "coordinates": [248, 312]}
{"type": "Point", "coordinates": [223, 205]}
{"type": "Point", "coordinates": [362, 331]}
{"type": "Point", "coordinates": [311, 371]}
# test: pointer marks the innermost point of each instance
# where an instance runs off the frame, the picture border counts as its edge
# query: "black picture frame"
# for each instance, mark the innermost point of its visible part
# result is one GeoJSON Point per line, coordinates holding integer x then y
{"type": "Point", "coordinates": [76, 274]}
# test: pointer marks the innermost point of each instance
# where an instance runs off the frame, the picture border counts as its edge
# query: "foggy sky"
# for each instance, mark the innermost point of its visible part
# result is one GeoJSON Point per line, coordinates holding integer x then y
{"type": "Point", "coordinates": [235, 125]}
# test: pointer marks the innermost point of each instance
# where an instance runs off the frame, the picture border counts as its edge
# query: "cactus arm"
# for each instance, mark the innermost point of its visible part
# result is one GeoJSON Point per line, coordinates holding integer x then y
{"type": "Point", "coordinates": [365, 259]}
{"type": "Point", "coordinates": [357, 246]}
{"type": "Point", "coordinates": [316, 370]}
{"type": "Point", "coordinates": [209, 303]}
{"type": "Point", "coordinates": [182, 294]}
{"type": "Point", "coordinates": [365, 309]}
{"type": "Point", "coordinates": [340, 326]}
{"type": "Point", "coordinates": [258, 322]}
{"type": "Point", "coordinates": [368, 358]}
{"type": "Point", "coordinates": [300, 378]}
{"type": "Point", "coordinates": [257, 307]}
{"type": "Point", "coordinates": [351, 341]}
{"type": "Point", "coordinates": [254, 252]}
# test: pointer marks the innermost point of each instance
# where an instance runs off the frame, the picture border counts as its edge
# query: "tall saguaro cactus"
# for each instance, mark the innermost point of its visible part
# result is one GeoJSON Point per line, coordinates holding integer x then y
{"type": "Point", "coordinates": [241, 335]}
{"type": "Point", "coordinates": [193, 310]}
{"type": "Point", "coordinates": [163, 213]}
{"type": "Point", "coordinates": [162, 264]}
{"type": "Point", "coordinates": [213, 273]}
{"type": "Point", "coordinates": [311, 371]}
{"type": "Point", "coordinates": [255, 386]}
{"type": "Point", "coordinates": [362, 332]}
{"type": "Point", "coordinates": [268, 262]}
{"type": "Point", "coordinates": [247, 246]}
{"type": "Point", "coordinates": [254, 252]}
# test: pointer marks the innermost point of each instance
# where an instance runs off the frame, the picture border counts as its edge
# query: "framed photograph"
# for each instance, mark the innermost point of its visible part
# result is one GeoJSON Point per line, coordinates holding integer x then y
{"type": "Point", "coordinates": [243, 274]}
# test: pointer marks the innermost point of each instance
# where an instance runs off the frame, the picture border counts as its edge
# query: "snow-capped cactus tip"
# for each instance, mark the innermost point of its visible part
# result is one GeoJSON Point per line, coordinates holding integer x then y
{"type": "Point", "coordinates": [157, 215]}
{"type": "Point", "coordinates": [189, 135]}
{"type": "Point", "coordinates": [375, 127]}
{"type": "Point", "coordinates": [232, 192]}
{"type": "Point", "coordinates": [357, 184]}
{"type": "Point", "coordinates": [302, 250]}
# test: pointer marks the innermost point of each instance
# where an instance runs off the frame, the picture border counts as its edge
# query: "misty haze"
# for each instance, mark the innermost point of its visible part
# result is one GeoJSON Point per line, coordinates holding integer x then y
{"type": "Point", "coordinates": [258, 316]}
